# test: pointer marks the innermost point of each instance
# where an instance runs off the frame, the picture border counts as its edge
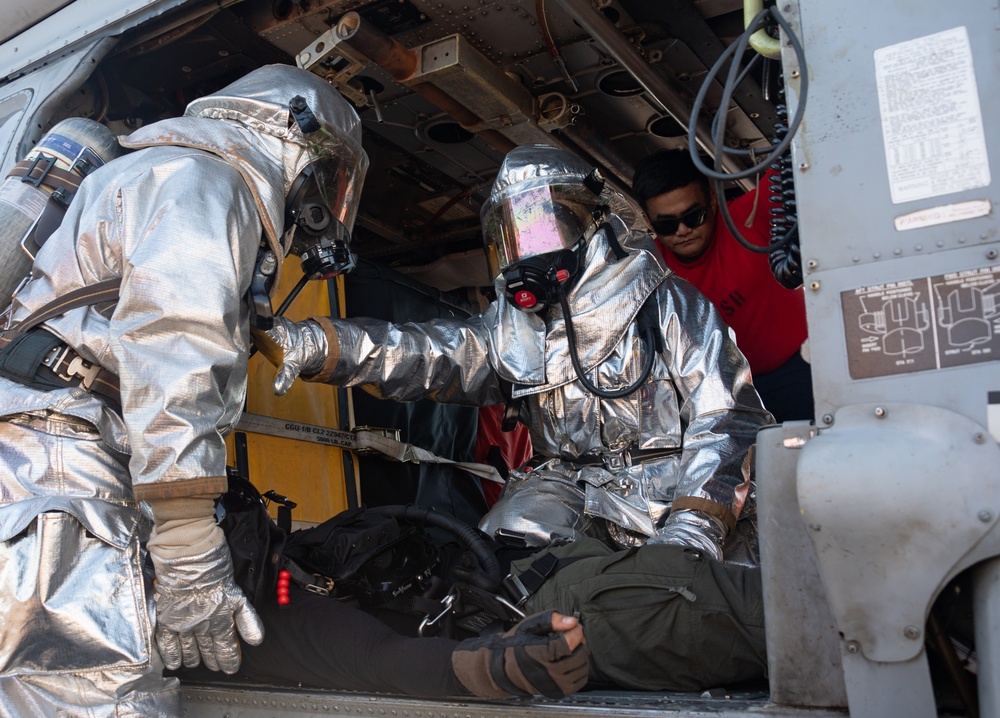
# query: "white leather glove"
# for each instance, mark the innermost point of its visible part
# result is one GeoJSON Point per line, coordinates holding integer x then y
{"type": "Point", "coordinates": [303, 347]}
{"type": "Point", "coordinates": [694, 530]}
{"type": "Point", "coordinates": [199, 607]}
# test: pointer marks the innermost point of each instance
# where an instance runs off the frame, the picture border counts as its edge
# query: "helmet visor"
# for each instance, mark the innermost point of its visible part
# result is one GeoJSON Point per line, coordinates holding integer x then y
{"type": "Point", "coordinates": [339, 165]}
{"type": "Point", "coordinates": [537, 220]}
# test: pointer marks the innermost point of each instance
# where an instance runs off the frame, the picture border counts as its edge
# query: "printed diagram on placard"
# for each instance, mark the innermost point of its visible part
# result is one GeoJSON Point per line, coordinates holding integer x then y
{"type": "Point", "coordinates": [899, 322]}
{"type": "Point", "coordinates": [967, 314]}
{"type": "Point", "coordinates": [920, 324]}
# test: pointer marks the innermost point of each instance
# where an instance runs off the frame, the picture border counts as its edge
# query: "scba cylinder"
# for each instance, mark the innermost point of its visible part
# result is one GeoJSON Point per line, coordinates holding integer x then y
{"type": "Point", "coordinates": [36, 192]}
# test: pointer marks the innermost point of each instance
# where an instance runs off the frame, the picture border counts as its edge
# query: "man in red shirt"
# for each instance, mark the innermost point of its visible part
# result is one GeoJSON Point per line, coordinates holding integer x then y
{"type": "Point", "coordinates": [769, 320]}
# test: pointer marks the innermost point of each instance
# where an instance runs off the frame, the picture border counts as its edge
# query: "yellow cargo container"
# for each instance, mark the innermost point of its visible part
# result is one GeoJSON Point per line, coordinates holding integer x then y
{"type": "Point", "coordinates": [313, 475]}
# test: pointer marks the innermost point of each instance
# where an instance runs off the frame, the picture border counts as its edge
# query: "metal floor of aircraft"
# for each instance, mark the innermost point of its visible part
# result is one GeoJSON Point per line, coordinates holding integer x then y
{"type": "Point", "coordinates": [228, 701]}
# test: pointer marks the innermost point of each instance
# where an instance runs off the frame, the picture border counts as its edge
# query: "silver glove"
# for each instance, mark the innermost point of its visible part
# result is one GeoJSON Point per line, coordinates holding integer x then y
{"type": "Point", "coordinates": [694, 530]}
{"type": "Point", "coordinates": [304, 349]}
{"type": "Point", "coordinates": [198, 604]}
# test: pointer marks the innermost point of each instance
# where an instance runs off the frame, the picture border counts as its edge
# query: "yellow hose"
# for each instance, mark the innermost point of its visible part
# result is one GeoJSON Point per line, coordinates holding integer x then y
{"type": "Point", "coordinates": [760, 41]}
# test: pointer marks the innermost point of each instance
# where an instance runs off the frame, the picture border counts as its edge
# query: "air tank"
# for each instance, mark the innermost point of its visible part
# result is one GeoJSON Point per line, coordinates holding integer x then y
{"type": "Point", "coordinates": [35, 193]}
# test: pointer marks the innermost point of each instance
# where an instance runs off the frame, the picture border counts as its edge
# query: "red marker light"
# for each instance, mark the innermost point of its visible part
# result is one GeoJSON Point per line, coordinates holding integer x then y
{"type": "Point", "coordinates": [284, 581]}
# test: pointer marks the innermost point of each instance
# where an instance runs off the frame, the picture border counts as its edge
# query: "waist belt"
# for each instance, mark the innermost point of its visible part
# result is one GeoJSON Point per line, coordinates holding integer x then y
{"type": "Point", "coordinates": [39, 359]}
{"type": "Point", "coordinates": [33, 356]}
{"type": "Point", "coordinates": [610, 460]}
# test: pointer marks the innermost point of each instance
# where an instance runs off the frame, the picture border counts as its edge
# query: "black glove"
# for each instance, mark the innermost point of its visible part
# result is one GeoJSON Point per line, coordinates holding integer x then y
{"type": "Point", "coordinates": [530, 659]}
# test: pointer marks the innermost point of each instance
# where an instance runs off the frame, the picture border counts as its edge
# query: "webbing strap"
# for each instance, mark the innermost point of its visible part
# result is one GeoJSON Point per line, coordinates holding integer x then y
{"type": "Point", "coordinates": [363, 439]}
{"type": "Point", "coordinates": [313, 583]}
{"type": "Point", "coordinates": [401, 451]}
{"type": "Point", "coordinates": [99, 293]}
{"type": "Point", "coordinates": [519, 588]}
{"type": "Point", "coordinates": [65, 365]}
{"type": "Point", "coordinates": [37, 173]}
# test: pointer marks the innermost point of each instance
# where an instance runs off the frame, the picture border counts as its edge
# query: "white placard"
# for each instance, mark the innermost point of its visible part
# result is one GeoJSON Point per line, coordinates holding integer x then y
{"type": "Point", "coordinates": [932, 126]}
{"type": "Point", "coordinates": [941, 215]}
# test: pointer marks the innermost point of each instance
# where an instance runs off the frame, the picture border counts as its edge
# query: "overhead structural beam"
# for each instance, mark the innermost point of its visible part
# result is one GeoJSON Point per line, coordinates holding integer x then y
{"type": "Point", "coordinates": [402, 63]}
{"type": "Point", "coordinates": [470, 88]}
{"type": "Point", "coordinates": [659, 90]}
{"type": "Point", "coordinates": [681, 19]}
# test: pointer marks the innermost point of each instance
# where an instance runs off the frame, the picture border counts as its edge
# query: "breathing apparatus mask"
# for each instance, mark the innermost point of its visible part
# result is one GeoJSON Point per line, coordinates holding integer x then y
{"type": "Point", "coordinates": [323, 201]}
{"type": "Point", "coordinates": [539, 235]}
{"type": "Point", "coordinates": [320, 210]}
{"type": "Point", "coordinates": [543, 208]}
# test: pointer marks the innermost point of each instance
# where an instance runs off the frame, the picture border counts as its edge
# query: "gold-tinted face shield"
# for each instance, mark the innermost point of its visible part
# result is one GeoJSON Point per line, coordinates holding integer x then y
{"type": "Point", "coordinates": [535, 220]}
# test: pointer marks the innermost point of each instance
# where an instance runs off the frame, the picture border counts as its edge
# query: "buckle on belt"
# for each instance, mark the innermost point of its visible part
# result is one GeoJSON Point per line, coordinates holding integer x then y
{"type": "Point", "coordinates": [515, 588]}
{"type": "Point", "coordinates": [617, 460]}
{"type": "Point", "coordinates": [78, 366]}
{"type": "Point", "coordinates": [82, 368]}
{"type": "Point", "coordinates": [55, 357]}
{"type": "Point", "coordinates": [322, 587]}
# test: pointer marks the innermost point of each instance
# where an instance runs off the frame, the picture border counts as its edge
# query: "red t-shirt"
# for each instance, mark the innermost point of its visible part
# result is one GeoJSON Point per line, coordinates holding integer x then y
{"type": "Point", "coordinates": [769, 320]}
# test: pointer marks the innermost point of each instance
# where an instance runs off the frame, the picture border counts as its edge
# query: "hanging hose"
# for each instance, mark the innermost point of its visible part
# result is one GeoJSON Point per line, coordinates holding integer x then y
{"type": "Point", "coordinates": [285, 304]}
{"type": "Point", "coordinates": [783, 247]}
{"type": "Point", "coordinates": [466, 534]}
{"type": "Point", "coordinates": [651, 341]}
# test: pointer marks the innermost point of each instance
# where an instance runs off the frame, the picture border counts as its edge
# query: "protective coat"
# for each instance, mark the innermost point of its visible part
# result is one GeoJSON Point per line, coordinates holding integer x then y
{"type": "Point", "coordinates": [179, 223]}
{"type": "Point", "coordinates": [697, 405]}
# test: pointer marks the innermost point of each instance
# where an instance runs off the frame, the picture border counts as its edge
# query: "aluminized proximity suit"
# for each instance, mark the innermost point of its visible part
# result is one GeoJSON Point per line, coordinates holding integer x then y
{"type": "Point", "coordinates": [179, 221]}
{"type": "Point", "coordinates": [698, 401]}
{"type": "Point", "coordinates": [680, 444]}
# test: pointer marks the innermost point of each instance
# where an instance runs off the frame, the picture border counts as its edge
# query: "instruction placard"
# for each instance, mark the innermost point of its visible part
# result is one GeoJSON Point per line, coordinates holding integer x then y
{"type": "Point", "coordinates": [920, 324]}
{"type": "Point", "coordinates": [932, 126]}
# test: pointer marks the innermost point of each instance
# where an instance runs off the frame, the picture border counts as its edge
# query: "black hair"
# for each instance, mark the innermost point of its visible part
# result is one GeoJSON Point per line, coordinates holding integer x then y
{"type": "Point", "coordinates": [665, 171]}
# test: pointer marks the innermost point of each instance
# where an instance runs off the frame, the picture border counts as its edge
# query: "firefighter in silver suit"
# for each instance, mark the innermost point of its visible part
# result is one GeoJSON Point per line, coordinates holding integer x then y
{"type": "Point", "coordinates": [87, 477]}
{"type": "Point", "coordinates": [640, 407]}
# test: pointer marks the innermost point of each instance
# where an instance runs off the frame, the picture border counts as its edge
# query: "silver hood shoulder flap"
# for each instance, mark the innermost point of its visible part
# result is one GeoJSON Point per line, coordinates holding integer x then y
{"type": "Point", "coordinates": [529, 351]}
{"type": "Point", "coordinates": [260, 138]}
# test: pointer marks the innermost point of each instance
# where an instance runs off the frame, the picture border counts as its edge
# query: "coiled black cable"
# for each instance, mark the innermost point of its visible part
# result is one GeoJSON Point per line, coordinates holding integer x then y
{"type": "Point", "coordinates": [780, 242]}
{"type": "Point", "coordinates": [785, 258]}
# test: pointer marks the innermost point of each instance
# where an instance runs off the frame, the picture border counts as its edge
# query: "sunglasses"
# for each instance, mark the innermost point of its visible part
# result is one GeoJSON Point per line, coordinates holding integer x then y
{"type": "Point", "coordinates": [668, 226]}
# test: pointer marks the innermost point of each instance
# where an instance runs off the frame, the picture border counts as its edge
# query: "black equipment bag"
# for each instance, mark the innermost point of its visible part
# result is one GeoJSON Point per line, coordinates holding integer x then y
{"type": "Point", "coordinates": [255, 541]}
{"type": "Point", "coordinates": [361, 554]}
{"type": "Point", "coordinates": [369, 556]}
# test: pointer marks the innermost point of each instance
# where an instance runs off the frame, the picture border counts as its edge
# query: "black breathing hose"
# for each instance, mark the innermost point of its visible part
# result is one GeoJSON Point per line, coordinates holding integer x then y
{"type": "Point", "coordinates": [649, 344]}
{"type": "Point", "coordinates": [466, 534]}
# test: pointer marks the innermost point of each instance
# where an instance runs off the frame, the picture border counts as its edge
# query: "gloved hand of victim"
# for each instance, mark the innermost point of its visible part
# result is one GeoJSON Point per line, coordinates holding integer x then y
{"type": "Point", "coordinates": [199, 607]}
{"type": "Point", "coordinates": [303, 349]}
{"type": "Point", "coordinates": [533, 658]}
